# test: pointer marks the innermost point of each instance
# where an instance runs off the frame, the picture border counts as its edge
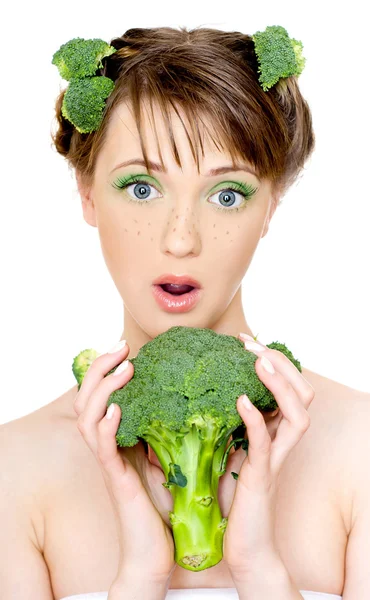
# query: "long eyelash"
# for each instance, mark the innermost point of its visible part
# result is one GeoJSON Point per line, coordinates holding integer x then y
{"type": "Point", "coordinates": [124, 182]}
{"type": "Point", "coordinates": [246, 190]}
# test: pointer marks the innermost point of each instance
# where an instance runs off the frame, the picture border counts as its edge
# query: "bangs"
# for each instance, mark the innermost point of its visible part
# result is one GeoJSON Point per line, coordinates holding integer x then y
{"type": "Point", "coordinates": [219, 99]}
{"type": "Point", "coordinates": [209, 79]}
{"type": "Point", "coordinates": [197, 125]}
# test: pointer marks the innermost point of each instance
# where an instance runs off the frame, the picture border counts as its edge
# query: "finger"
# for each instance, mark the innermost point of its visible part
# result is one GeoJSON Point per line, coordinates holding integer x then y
{"type": "Point", "coordinates": [285, 366]}
{"type": "Point", "coordinates": [259, 446]}
{"type": "Point", "coordinates": [97, 371]}
{"type": "Point", "coordinates": [96, 406]}
{"type": "Point", "coordinates": [295, 419]}
{"type": "Point", "coordinates": [120, 473]}
{"type": "Point", "coordinates": [287, 436]}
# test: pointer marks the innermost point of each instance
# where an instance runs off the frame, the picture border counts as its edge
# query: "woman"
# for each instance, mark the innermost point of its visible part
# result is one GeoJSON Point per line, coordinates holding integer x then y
{"type": "Point", "coordinates": [82, 515]}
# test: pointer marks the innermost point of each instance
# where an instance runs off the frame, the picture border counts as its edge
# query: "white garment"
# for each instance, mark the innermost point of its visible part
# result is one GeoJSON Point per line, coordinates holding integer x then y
{"type": "Point", "coordinates": [202, 593]}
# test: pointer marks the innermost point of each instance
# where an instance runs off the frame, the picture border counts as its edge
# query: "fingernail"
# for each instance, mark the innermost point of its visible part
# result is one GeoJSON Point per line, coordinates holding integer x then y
{"type": "Point", "coordinates": [267, 365]}
{"type": "Point", "coordinates": [245, 336]}
{"type": "Point", "coordinates": [117, 347]}
{"type": "Point", "coordinates": [246, 402]}
{"type": "Point", "coordinates": [122, 367]}
{"type": "Point", "coordinates": [110, 411]}
{"type": "Point", "coordinates": [254, 347]}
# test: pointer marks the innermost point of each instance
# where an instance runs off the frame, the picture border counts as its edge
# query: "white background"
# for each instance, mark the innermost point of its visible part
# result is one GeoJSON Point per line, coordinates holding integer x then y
{"type": "Point", "coordinates": [308, 283]}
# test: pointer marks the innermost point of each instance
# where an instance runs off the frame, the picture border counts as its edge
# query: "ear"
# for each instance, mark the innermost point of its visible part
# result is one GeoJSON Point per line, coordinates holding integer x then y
{"type": "Point", "coordinates": [88, 207]}
{"type": "Point", "coordinates": [274, 200]}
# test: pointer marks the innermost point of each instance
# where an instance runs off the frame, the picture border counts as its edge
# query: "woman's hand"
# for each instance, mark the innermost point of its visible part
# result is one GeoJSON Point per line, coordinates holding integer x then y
{"type": "Point", "coordinates": [146, 542]}
{"type": "Point", "coordinates": [249, 537]}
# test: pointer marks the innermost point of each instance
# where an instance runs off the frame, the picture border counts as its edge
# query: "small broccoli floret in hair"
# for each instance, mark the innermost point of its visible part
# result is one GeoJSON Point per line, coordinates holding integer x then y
{"type": "Point", "coordinates": [278, 55]}
{"type": "Point", "coordinates": [84, 102]}
{"type": "Point", "coordinates": [182, 401]}
{"type": "Point", "coordinates": [81, 58]}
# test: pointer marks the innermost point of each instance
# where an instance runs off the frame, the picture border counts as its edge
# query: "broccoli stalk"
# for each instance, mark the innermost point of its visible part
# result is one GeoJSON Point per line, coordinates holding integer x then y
{"type": "Point", "coordinates": [197, 523]}
{"type": "Point", "coordinates": [182, 401]}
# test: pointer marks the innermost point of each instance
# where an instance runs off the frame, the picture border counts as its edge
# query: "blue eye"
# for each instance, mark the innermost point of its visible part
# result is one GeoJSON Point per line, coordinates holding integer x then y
{"type": "Point", "coordinates": [140, 187]}
{"type": "Point", "coordinates": [225, 195]}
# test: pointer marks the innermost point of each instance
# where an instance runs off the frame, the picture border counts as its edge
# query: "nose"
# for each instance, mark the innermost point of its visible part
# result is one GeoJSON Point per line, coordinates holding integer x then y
{"type": "Point", "coordinates": [181, 235]}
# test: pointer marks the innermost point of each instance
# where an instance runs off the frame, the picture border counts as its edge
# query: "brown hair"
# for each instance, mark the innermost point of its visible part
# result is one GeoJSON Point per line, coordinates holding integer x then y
{"type": "Point", "coordinates": [206, 72]}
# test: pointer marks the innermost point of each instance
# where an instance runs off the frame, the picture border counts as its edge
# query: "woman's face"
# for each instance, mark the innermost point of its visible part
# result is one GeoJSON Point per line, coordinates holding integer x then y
{"type": "Point", "coordinates": [178, 222]}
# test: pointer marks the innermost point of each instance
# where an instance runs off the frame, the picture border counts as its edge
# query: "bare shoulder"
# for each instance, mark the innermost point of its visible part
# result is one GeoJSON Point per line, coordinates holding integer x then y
{"type": "Point", "coordinates": [339, 437]}
{"type": "Point", "coordinates": [337, 402]}
{"type": "Point", "coordinates": [34, 450]}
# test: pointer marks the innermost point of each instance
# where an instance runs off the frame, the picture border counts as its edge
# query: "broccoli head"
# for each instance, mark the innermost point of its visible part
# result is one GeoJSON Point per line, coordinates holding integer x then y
{"type": "Point", "coordinates": [278, 55]}
{"type": "Point", "coordinates": [81, 58]}
{"type": "Point", "coordinates": [84, 102]}
{"type": "Point", "coordinates": [182, 401]}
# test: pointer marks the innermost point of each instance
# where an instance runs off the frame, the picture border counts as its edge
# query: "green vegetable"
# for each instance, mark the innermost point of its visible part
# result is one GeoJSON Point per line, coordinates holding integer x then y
{"type": "Point", "coordinates": [182, 401]}
{"type": "Point", "coordinates": [84, 100]}
{"type": "Point", "coordinates": [278, 55]}
{"type": "Point", "coordinates": [81, 58]}
{"type": "Point", "coordinates": [81, 363]}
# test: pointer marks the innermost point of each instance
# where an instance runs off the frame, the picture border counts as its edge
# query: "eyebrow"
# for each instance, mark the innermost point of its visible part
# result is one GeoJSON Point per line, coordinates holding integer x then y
{"type": "Point", "coordinates": [211, 173]}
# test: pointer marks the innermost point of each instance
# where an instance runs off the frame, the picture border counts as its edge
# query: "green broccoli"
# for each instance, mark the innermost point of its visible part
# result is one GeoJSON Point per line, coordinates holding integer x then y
{"type": "Point", "coordinates": [81, 58]}
{"type": "Point", "coordinates": [278, 55]}
{"type": "Point", "coordinates": [81, 363]}
{"type": "Point", "coordinates": [84, 100]}
{"type": "Point", "coordinates": [182, 401]}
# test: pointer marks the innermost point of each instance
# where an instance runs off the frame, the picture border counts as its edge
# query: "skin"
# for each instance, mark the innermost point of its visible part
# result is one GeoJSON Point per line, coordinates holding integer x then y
{"type": "Point", "coordinates": [179, 232]}
{"type": "Point", "coordinates": [67, 533]}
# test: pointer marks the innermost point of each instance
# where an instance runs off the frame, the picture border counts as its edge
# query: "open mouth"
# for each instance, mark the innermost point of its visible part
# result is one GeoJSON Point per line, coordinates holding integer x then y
{"type": "Point", "coordinates": [176, 290]}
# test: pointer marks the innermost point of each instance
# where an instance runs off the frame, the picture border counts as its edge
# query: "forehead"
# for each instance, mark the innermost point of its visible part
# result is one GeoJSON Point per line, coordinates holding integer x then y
{"type": "Point", "coordinates": [123, 139]}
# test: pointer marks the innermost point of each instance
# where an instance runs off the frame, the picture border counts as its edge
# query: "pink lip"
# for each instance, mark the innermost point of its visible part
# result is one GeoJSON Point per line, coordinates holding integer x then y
{"type": "Point", "coordinates": [176, 304]}
{"type": "Point", "coordinates": [178, 279]}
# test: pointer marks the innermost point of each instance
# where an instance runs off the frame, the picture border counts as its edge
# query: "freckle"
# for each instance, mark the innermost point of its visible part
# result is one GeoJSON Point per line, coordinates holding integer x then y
{"type": "Point", "coordinates": [138, 232]}
{"type": "Point", "coordinates": [238, 226]}
{"type": "Point", "coordinates": [174, 229]}
{"type": "Point", "coordinates": [227, 233]}
{"type": "Point", "coordinates": [177, 216]}
{"type": "Point", "coordinates": [189, 232]}
{"type": "Point", "coordinates": [182, 238]}
{"type": "Point", "coordinates": [214, 225]}
{"type": "Point", "coordinates": [151, 239]}
{"type": "Point", "coordinates": [135, 220]}
{"type": "Point", "coordinates": [168, 222]}
{"type": "Point", "coordinates": [215, 238]}
{"type": "Point", "coordinates": [148, 223]}
{"type": "Point", "coordinates": [125, 229]}
{"type": "Point", "coordinates": [172, 210]}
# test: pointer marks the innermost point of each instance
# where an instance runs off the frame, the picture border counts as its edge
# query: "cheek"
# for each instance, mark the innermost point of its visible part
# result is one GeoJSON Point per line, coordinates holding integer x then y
{"type": "Point", "coordinates": [122, 243]}
{"type": "Point", "coordinates": [113, 239]}
{"type": "Point", "coordinates": [234, 248]}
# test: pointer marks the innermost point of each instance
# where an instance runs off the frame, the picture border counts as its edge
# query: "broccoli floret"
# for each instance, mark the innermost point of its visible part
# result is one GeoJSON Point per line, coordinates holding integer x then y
{"type": "Point", "coordinates": [81, 363]}
{"type": "Point", "coordinates": [81, 58]}
{"type": "Point", "coordinates": [277, 54]}
{"type": "Point", "coordinates": [182, 401]}
{"type": "Point", "coordinates": [300, 59]}
{"type": "Point", "coordinates": [84, 102]}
